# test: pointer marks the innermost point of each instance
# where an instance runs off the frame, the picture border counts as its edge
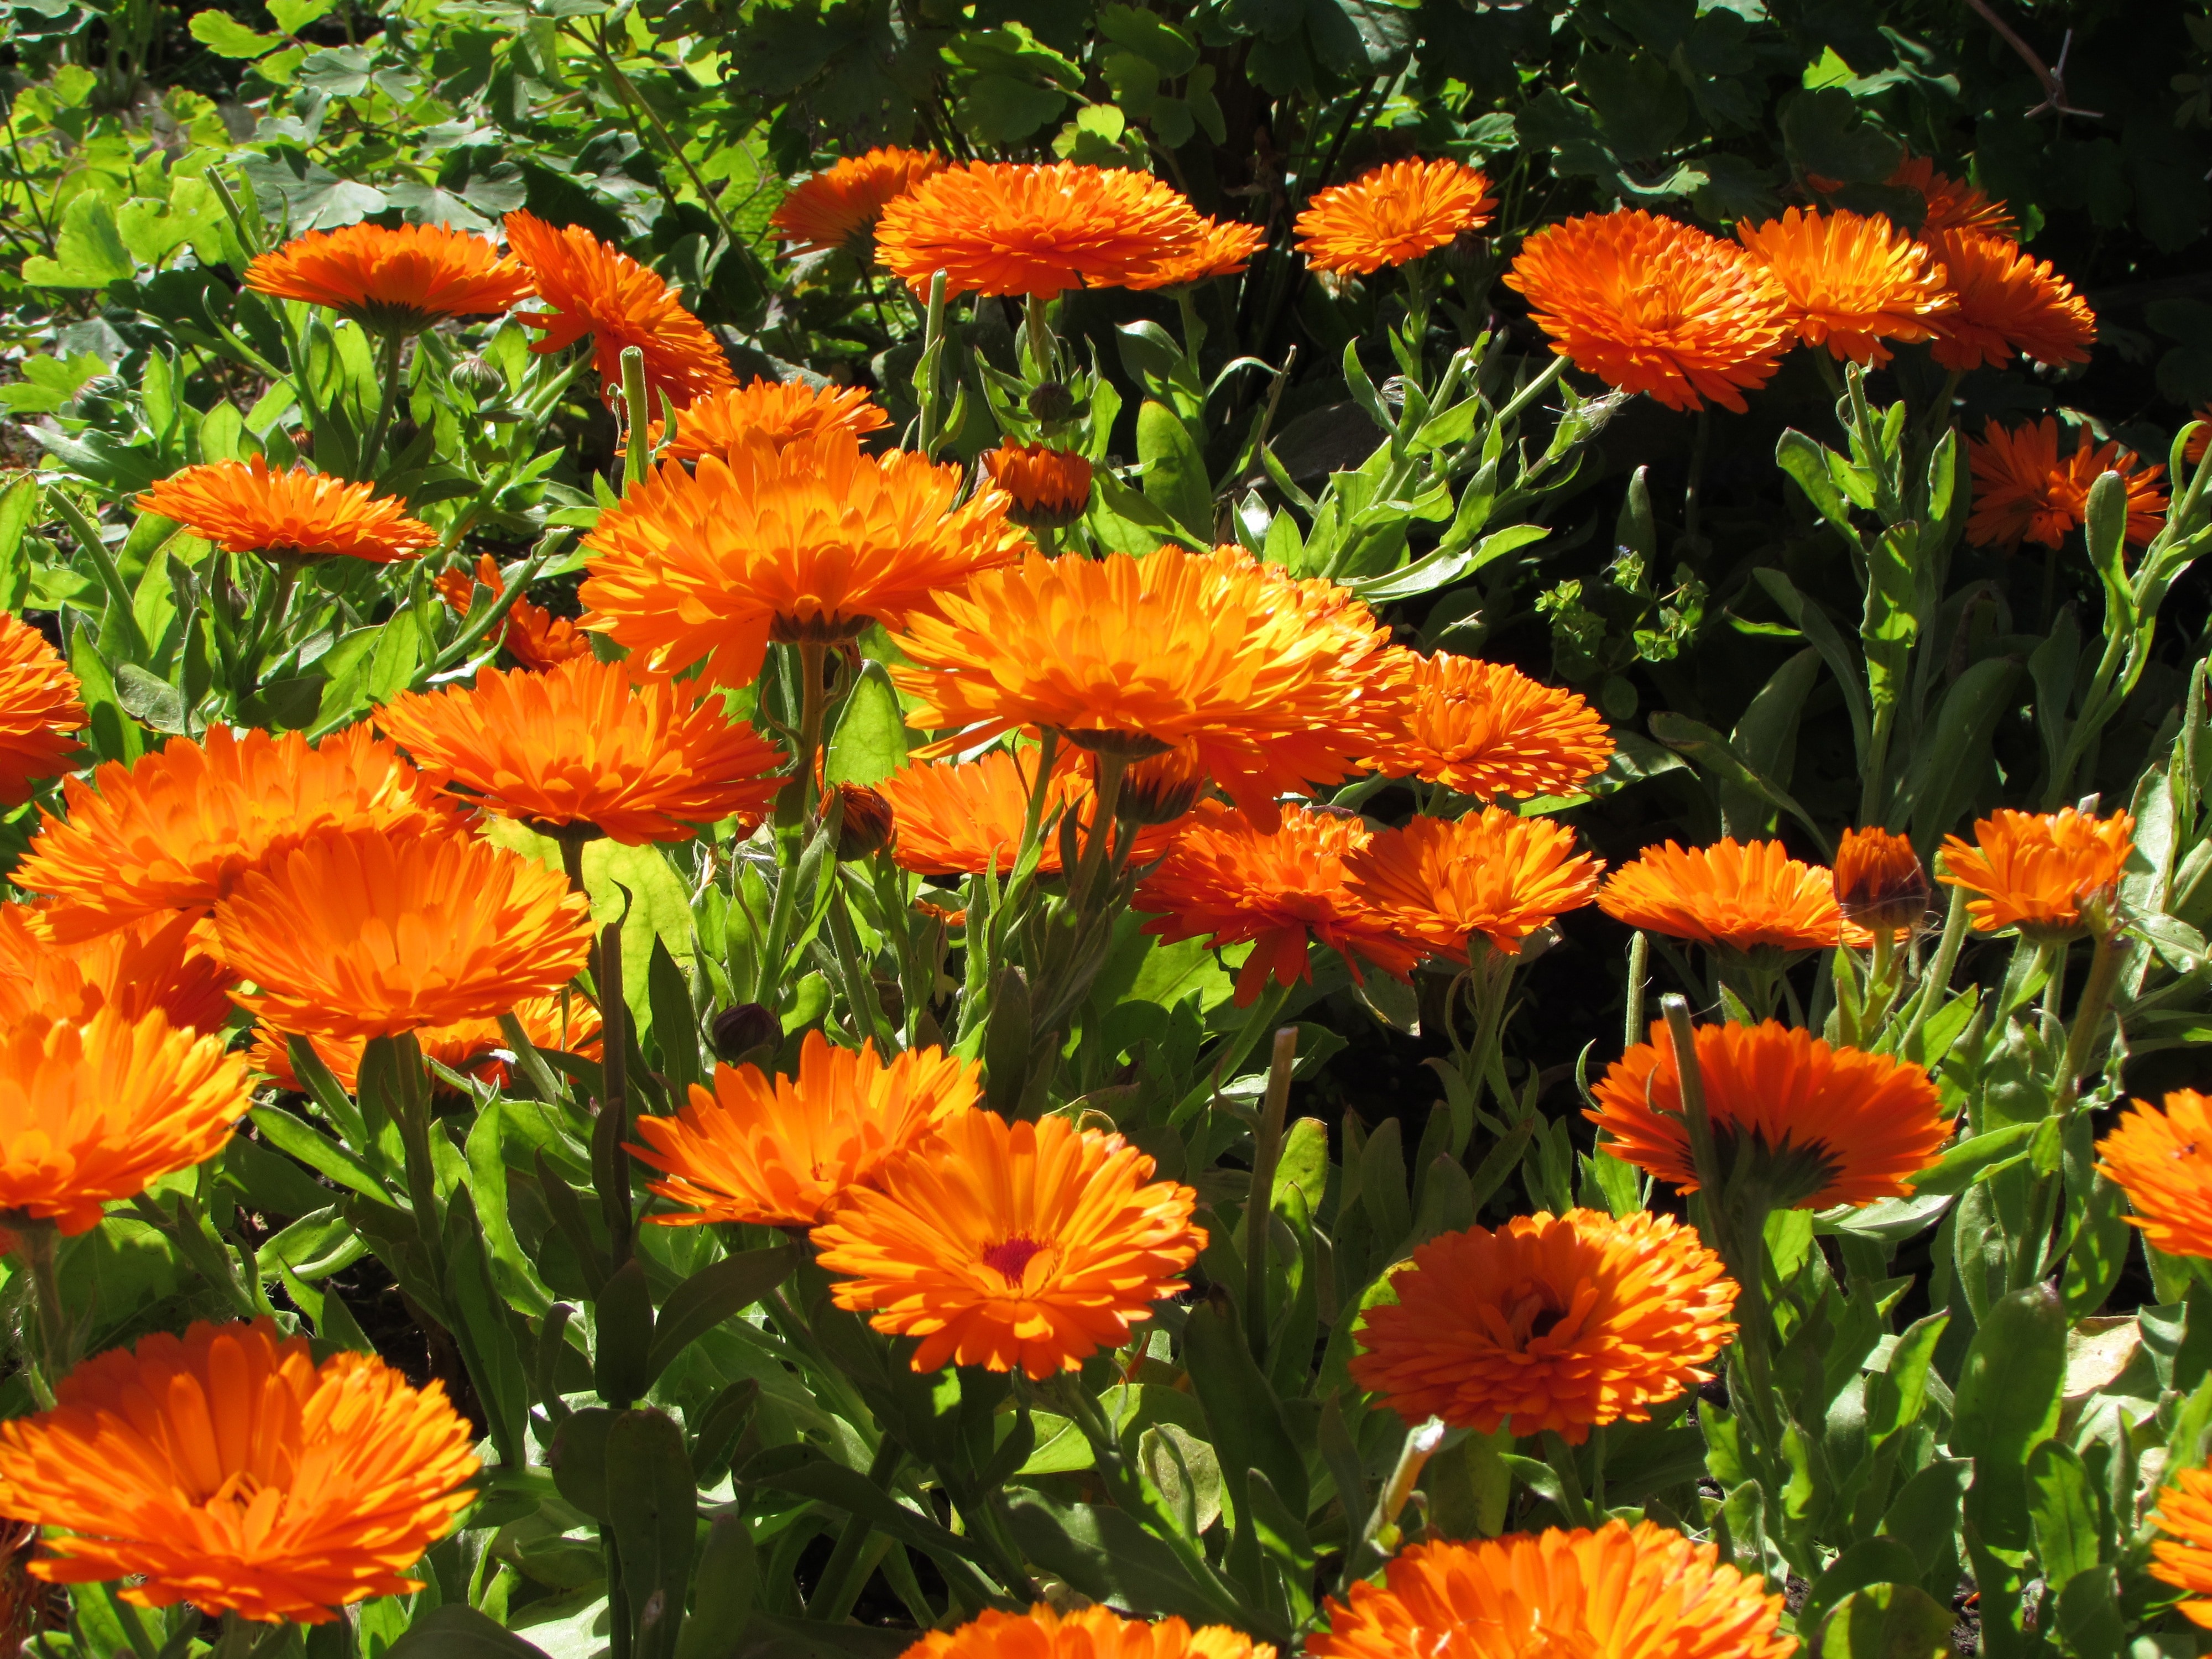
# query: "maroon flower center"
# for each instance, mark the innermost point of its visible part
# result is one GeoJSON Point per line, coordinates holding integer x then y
{"type": "Point", "coordinates": [1011, 1257]}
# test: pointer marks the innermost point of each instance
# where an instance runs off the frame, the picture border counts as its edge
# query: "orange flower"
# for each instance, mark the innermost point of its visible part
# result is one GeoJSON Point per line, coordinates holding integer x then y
{"type": "Point", "coordinates": [1438, 881]}
{"type": "Point", "coordinates": [1550, 1323]}
{"type": "Point", "coordinates": [2183, 1557]}
{"type": "Point", "coordinates": [2009, 303]}
{"type": "Point", "coordinates": [780, 1151]}
{"type": "Point", "coordinates": [1157, 792]}
{"type": "Point", "coordinates": [94, 1108]}
{"type": "Point", "coordinates": [1655, 306]}
{"type": "Point", "coordinates": [1273, 691]}
{"type": "Point", "coordinates": [1640, 1592]}
{"type": "Point", "coordinates": [1952, 206]}
{"type": "Point", "coordinates": [1223, 247]}
{"type": "Point", "coordinates": [1486, 728]}
{"type": "Point", "coordinates": [1824, 1126]}
{"type": "Point", "coordinates": [2146, 500]}
{"type": "Point", "coordinates": [39, 707]}
{"type": "Point", "coordinates": [1851, 280]}
{"type": "Point", "coordinates": [244, 507]}
{"type": "Point", "coordinates": [1728, 896]}
{"type": "Point", "coordinates": [1879, 884]}
{"type": "Point", "coordinates": [838, 207]}
{"type": "Point", "coordinates": [1089, 1632]}
{"type": "Point", "coordinates": [2037, 871]}
{"type": "Point", "coordinates": [963, 817]}
{"type": "Point", "coordinates": [362, 933]}
{"type": "Point", "coordinates": [812, 542]}
{"type": "Point", "coordinates": [562, 1022]}
{"type": "Point", "coordinates": [175, 829]}
{"type": "Point", "coordinates": [2200, 437]}
{"type": "Point", "coordinates": [228, 1469]}
{"type": "Point", "coordinates": [392, 282]}
{"type": "Point", "coordinates": [2164, 1160]}
{"type": "Point", "coordinates": [599, 290]}
{"type": "Point", "coordinates": [531, 634]}
{"type": "Point", "coordinates": [864, 824]}
{"type": "Point", "coordinates": [1008, 227]}
{"type": "Point", "coordinates": [158, 961]}
{"type": "Point", "coordinates": [1393, 213]}
{"type": "Point", "coordinates": [591, 747]}
{"type": "Point", "coordinates": [782, 411]}
{"type": "Point", "coordinates": [1048, 487]}
{"type": "Point", "coordinates": [2023, 490]}
{"type": "Point", "coordinates": [1001, 1244]}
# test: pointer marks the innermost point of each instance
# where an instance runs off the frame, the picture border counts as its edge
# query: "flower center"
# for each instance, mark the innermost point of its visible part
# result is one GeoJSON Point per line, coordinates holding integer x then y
{"type": "Point", "coordinates": [1011, 1257]}
{"type": "Point", "coordinates": [1533, 1315]}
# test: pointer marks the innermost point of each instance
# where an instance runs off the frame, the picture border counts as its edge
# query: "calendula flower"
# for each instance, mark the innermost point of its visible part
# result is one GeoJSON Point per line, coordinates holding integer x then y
{"type": "Point", "coordinates": [1008, 227]}
{"type": "Point", "coordinates": [1158, 790]}
{"type": "Point", "coordinates": [226, 1468]}
{"type": "Point", "coordinates": [175, 829]}
{"type": "Point", "coordinates": [1823, 1126]}
{"type": "Point", "coordinates": [2037, 871]}
{"type": "Point", "coordinates": [2029, 486]}
{"type": "Point", "coordinates": [1438, 881]}
{"type": "Point", "coordinates": [2163, 1159]}
{"type": "Point", "coordinates": [780, 1151]}
{"type": "Point", "coordinates": [1550, 1323]}
{"type": "Point", "coordinates": [1223, 248]}
{"type": "Point", "coordinates": [1880, 885]}
{"type": "Point", "coordinates": [243, 507]}
{"type": "Point", "coordinates": [2007, 303]}
{"type": "Point", "coordinates": [1640, 1592]}
{"type": "Point", "coordinates": [601, 291]}
{"type": "Point", "coordinates": [591, 748]}
{"type": "Point", "coordinates": [563, 1021]}
{"type": "Point", "coordinates": [1951, 204]}
{"type": "Point", "coordinates": [1048, 487]}
{"type": "Point", "coordinates": [1092, 1631]}
{"type": "Point", "coordinates": [1731, 895]}
{"type": "Point", "coordinates": [1393, 213]}
{"type": "Point", "coordinates": [41, 709]}
{"type": "Point", "coordinates": [2200, 436]}
{"type": "Point", "coordinates": [810, 542]}
{"type": "Point", "coordinates": [865, 824]}
{"type": "Point", "coordinates": [362, 933]}
{"type": "Point", "coordinates": [163, 962]}
{"type": "Point", "coordinates": [1002, 1244]}
{"type": "Point", "coordinates": [393, 281]}
{"type": "Point", "coordinates": [782, 411]}
{"type": "Point", "coordinates": [963, 817]}
{"type": "Point", "coordinates": [530, 634]}
{"type": "Point", "coordinates": [1652, 304]}
{"type": "Point", "coordinates": [1851, 280]}
{"type": "Point", "coordinates": [1486, 728]}
{"type": "Point", "coordinates": [2182, 1556]}
{"type": "Point", "coordinates": [838, 207]}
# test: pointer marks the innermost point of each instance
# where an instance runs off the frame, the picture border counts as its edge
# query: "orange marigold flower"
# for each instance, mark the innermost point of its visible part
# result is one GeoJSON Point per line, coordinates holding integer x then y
{"type": "Point", "coordinates": [962, 817]}
{"type": "Point", "coordinates": [1642, 1592]}
{"type": "Point", "coordinates": [2164, 1161]}
{"type": "Point", "coordinates": [780, 1151]}
{"type": "Point", "coordinates": [1486, 728]}
{"type": "Point", "coordinates": [1550, 1323]}
{"type": "Point", "coordinates": [473, 1047]}
{"type": "Point", "coordinates": [1438, 881]}
{"type": "Point", "coordinates": [1951, 204]}
{"type": "Point", "coordinates": [1157, 791]}
{"type": "Point", "coordinates": [782, 411]}
{"type": "Point", "coordinates": [1223, 247]}
{"type": "Point", "coordinates": [1048, 487]}
{"type": "Point", "coordinates": [2026, 490]}
{"type": "Point", "coordinates": [1393, 213]}
{"type": "Point", "coordinates": [591, 746]}
{"type": "Point", "coordinates": [1824, 1126]}
{"type": "Point", "coordinates": [2200, 436]}
{"type": "Point", "coordinates": [810, 542]}
{"type": "Point", "coordinates": [40, 708]}
{"type": "Point", "coordinates": [226, 1468]}
{"type": "Point", "coordinates": [2183, 1557]}
{"type": "Point", "coordinates": [838, 207]}
{"type": "Point", "coordinates": [2009, 303]}
{"type": "Point", "coordinates": [392, 282]}
{"type": "Point", "coordinates": [362, 933]}
{"type": "Point", "coordinates": [242, 507]}
{"type": "Point", "coordinates": [1652, 304]}
{"type": "Point", "coordinates": [175, 829]}
{"type": "Point", "coordinates": [2037, 871]}
{"type": "Point", "coordinates": [865, 824]}
{"type": "Point", "coordinates": [1001, 1244]}
{"type": "Point", "coordinates": [1853, 280]}
{"type": "Point", "coordinates": [1091, 1633]}
{"type": "Point", "coordinates": [531, 634]}
{"type": "Point", "coordinates": [1731, 896]}
{"type": "Point", "coordinates": [93, 1109]}
{"type": "Point", "coordinates": [162, 961]}
{"type": "Point", "coordinates": [601, 291]}
{"type": "Point", "coordinates": [1009, 227]}
{"type": "Point", "coordinates": [1879, 884]}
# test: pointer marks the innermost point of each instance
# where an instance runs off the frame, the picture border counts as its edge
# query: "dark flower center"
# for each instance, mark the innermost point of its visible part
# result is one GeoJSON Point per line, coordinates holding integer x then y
{"type": "Point", "coordinates": [1011, 1257]}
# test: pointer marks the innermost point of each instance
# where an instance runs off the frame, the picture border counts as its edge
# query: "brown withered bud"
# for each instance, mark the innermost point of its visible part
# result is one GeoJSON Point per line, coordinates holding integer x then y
{"type": "Point", "coordinates": [864, 825]}
{"type": "Point", "coordinates": [739, 1031]}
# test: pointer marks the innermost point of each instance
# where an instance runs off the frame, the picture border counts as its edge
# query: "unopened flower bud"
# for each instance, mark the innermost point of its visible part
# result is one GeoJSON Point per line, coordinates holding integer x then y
{"type": "Point", "coordinates": [1880, 884]}
{"type": "Point", "coordinates": [479, 377]}
{"type": "Point", "coordinates": [864, 825]}
{"type": "Point", "coordinates": [1050, 487]}
{"type": "Point", "coordinates": [1161, 788]}
{"type": "Point", "coordinates": [739, 1031]}
{"type": "Point", "coordinates": [1052, 403]}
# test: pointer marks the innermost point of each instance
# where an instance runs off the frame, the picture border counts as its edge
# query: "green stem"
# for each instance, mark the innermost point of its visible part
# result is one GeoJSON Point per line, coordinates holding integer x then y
{"type": "Point", "coordinates": [637, 417]}
{"type": "Point", "coordinates": [1936, 978]}
{"type": "Point", "coordinates": [1530, 393]}
{"type": "Point", "coordinates": [1640, 969]}
{"type": "Point", "coordinates": [372, 451]}
{"type": "Point", "coordinates": [1039, 333]}
{"type": "Point", "coordinates": [614, 1072]}
{"type": "Point", "coordinates": [54, 1357]}
{"type": "Point", "coordinates": [841, 1579]}
{"type": "Point", "coordinates": [2089, 1014]}
{"type": "Point", "coordinates": [860, 989]}
{"type": "Point", "coordinates": [1561, 1457]}
{"type": "Point", "coordinates": [933, 352]}
{"type": "Point", "coordinates": [1692, 499]}
{"type": "Point", "coordinates": [1265, 1007]}
{"type": "Point", "coordinates": [1258, 1206]}
{"type": "Point", "coordinates": [87, 532]}
{"type": "Point", "coordinates": [1107, 796]}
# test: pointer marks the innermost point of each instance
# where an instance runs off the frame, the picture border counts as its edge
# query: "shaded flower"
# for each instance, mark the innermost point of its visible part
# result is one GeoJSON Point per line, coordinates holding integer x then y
{"type": "Point", "coordinates": [1008, 227]}
{"type": "Point", "coordinates": [1853, 280]}
{"type": "Point", "coordinates": [161, 961]}
{"type": "Point", "coordinates": [1158, 790]}
{"type": "Point", "coordinates": [838, 207]}
{"type": "Point", "coordinates": [1438, 881]}
{"type": "Point", "coordinates": [963, 817]}
{"type": "Point", "coordinates": [1092, 1631]}
{"type": "Point", "coordinates": [782, 411]}
{"type": "Point", "coordinates": [1730, 896]}
{"type": "Point", "coordinates": [40, 710]}
{"type": "Point", "coordinates": [1878, 884]}
{"type": "Point", "coordinates": [1223, 248]}
{"type": "Point", "coordinates": [228, 1469]}
{"type": "Point", "coordinates": [1486, 728]}
{"type": "Point", "coordinates": [475, 1048]}
{"type": "Point", "coordinates": [243, 507]}
{"type": "Point", "coordinates": [2163, 1160]}
{"type": "Point", "coordinates": [865, 824]}
{"type": "Point", "coordinates": [393, 281]}
{"type": "Point", "coordinates": [1002, 1244]}
{"type": "Point", "coordinates": [2009, 304]}
{"type": "Point", "coordinates": [2037, 870]}
{"type": "Point", "coordinates": [1048, 487]}
{"type": "Point", "coordinates": [1951, 204]}
{"type": "Point", "coordinates": [2027, 488]}
{"type": "Point", "coordinates": [1393, 213]}
{"type": "Point", "coordinates": [529, 633]}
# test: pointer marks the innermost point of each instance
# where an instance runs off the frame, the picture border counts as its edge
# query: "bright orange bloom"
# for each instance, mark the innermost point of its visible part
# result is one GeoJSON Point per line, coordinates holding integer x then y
{"type": "Point", "coordinates": [2183, 1557]}
{"type": "Point", "coordinates": [591, 746]}
{"type": "Point", "coordinates": [2037, 871]}
{"type": "Point", "coordinates": [1009, 227]}
{"type": "Point", "coordinates": [1951, 204]}
{"type": "Point", "coordinates": [228, 1470]}
{"type": "Point", "coordinates": [1550, 1323]}
{"type": "Point", "coordinates": [838, 207]}
{"type": "Point", "coordinates": [1223, 247]}
{"type": "Point", "coordinates": [531, 634]}
{"type": "Point", "coordinates": [1048, 487]}
{"type": "Point", "coordinates": [601, 291]}
{"type": "Point", "coordinates": [1729, 896]}
{"type": "Point", "coordinates": [1486, 728]}
{"type": "Point", "coordinates": [960, 818]}
{"type": "Point", "coordinates": [471, 1047]}
{"type": "Point", "coordinates": [2024, 490]}
{"type": "Point", "coordinates": [1438, 881]}
{"type": "Point", "coordinates": [392, 282]}
{"type": "Point", "coordinates": [94, 1108]}
{"type": "Point", "coordinates": [1093, 1631]}
{"type": "Point", "coordinates": [811, 542]}
{"type": "Point", "coordinates": [175, 829]}
{"type": "Point", "coordinates": [244, 507]}
{"type": "Point", "coordinates": [780, 1151]}
{"type": "Point", "coordinates": [163, 962]}
{"type": "Point", "coordinates": [1878, 884]}
{"type": "Point", "coordinates": [1826, 1125]}
{"type": "Point", "coordinates": [2163, 1159]}
{"type": "Point", "coordinates": [782, 411]}
{"type": "Point", "coordinates": [40, 706]}
{"type": "Point", "coordinates": [1393, 213]}
{"type": "Point", "coordinates": [1002, 1244]}
{"type": "Point", "coordinates": [1653, 305]}
{"type": "Point", "coordinates": [1853, 280]}
{"type": "Point", "coordinates": [1640, 1592]}
{"type": "Point", "coordinates": [1273, 692]}
{"type": "Point", "coordinates": [364, 932]}
{"type": "Point", "coordinates": [2009, 304]}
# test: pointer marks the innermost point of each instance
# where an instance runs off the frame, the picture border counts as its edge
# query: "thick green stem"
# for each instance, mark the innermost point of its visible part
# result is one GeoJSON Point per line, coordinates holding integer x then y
{"type": "Point", "coordinates": [1639, 973]}
{"type": "Point", "coordinates": [372, 451]}
{"type": "Point", "coordinates": [54, 1357]}
{"type": "Point", "coordinates": [1574, 1506]}
{"type": "Point", "coordinates": [1259, 1208]}
{"type": "Point", "coordinates": [1936, 978]}
{"type": "Point", "coordinates": [1533, 390]}
{"type": "Point", "coordinates": [1101, 836]}
{"type": "Point", "coordinates": [933, 352]}
{"type": "Point", "coordinates": [1040, 338]}
{"type": "Point", "coordinates": [2089, 1014]}
{"type": "Point", "coordinates": [614, 1097]}
{"type": "Point", "coordinates": [637, 419]}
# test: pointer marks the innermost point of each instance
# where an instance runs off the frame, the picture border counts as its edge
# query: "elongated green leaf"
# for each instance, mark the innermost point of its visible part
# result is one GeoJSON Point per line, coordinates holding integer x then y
{"type": "Point", "coordinates": [710, 1295]}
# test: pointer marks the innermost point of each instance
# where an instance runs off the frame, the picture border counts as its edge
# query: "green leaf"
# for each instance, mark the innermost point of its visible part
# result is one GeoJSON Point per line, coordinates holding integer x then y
{"type": "Point", "coordinates": [1870, 1561]}
{"type": "Point", "coordinates": [809, 1473]}
{"type": "Point", "coordinates": [2062, 1508]}
{"type": "Point", "coordinates": [485, 1330]}
{"type": "Point", "coordinates": [710, 1295]}
{"type": "Point", "coordinates": [89, 250]}
{"type": "Point", "coordinates": [624, 1341]}
{"type": "Point", "coordinates": [456, 1630]}
{"type": "Point", "coordinates": [2007, 1404]}
{"type": "Point", "coordinates": [870, 742]}
{"type": "Point", "coordinates": [1245, 1424]}
{"type": "Point", "coordinates": [1109, 1557]}
{"type": "Point", "coordinates": [1889, 1621]}
{"type": "Point", "coordinates": [1175, 476]}
{"type": "Point", "coordinates": [1825, 131]}
{"type": "Point", "coordinates": [652, 1506]}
